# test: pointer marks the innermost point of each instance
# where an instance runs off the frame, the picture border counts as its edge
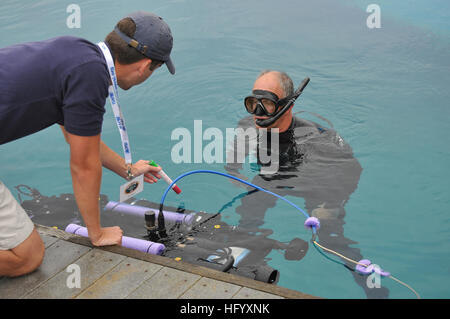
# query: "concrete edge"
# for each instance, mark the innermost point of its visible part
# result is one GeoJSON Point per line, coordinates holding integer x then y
{"type": "Point", "coordinates": [180, 265]}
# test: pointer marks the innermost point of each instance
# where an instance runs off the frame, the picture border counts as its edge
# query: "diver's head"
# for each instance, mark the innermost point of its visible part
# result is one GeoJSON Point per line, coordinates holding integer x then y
{"type": "Point", "coordinates": [267, 99]}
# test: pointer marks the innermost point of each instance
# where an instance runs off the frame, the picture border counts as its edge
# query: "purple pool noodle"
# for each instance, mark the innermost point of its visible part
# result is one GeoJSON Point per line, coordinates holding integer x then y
{"type": "Point", "coordinates": [140, 212]}
{"type": "Point", "coordinates": [145, 246]}
{"type": "Point", "coordinates": [72, 228]}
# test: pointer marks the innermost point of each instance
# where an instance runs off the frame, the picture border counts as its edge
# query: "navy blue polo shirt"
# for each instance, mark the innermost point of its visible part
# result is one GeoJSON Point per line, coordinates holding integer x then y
{"type": "Point", "coordinates": [62, 80]}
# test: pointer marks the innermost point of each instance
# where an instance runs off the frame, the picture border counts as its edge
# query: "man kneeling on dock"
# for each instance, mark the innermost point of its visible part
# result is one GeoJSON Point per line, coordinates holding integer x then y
{"type": "Point", "coordinates": [65, 81]}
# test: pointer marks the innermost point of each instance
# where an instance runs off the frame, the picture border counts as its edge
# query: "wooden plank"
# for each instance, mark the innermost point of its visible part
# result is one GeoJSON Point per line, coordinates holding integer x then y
{"type": "Point", "coordinates": [122, 280]}
{"type": "Point", "coordinates": [207, 288]}
{"type": "Point", "coordinates": [48, 240]}
{"type": "Point", "coordinates": [167, 283]}
{"type": "Point", "coordinates": [248, 293]}
{"type": "Point", "coordinates": [183, 266]}
{"type": "Point", "coordinates": [92, 266]}
{"type": "Point", "coordinates": [57, 257]}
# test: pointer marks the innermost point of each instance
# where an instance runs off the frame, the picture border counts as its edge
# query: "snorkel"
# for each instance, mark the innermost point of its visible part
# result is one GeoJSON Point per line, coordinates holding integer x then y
{"type": "Point", "coordinates": [292, 98]}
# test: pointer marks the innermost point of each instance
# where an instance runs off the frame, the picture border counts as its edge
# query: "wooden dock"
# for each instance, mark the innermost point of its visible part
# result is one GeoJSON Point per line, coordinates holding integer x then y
{"type": "Point", "coordinates": [121, 273]}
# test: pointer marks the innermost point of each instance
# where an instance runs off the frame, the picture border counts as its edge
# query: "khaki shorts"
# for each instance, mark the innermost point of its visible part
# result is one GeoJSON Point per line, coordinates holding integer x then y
{"type": "Point", "coordinates": [15, 225]}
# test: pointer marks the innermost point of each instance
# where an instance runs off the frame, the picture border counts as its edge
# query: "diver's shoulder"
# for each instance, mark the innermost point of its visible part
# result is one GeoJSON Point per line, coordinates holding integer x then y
{"type": "Point", "coordinates": [313, 127]}
{"type": "Point", "coordinates": [300, 122]}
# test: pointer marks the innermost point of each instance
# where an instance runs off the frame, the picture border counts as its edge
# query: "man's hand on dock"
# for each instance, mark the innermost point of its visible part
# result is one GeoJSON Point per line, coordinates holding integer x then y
{"type": "Point", "coordinates": [107, 236]}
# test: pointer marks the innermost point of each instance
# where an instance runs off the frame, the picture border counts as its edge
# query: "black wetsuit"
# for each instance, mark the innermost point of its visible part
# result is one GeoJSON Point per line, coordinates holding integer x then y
{"type": "Point", "coordinates": [317, 165]}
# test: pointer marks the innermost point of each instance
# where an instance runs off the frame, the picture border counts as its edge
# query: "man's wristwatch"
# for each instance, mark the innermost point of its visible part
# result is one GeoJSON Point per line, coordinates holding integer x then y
{"type": "Point", "coordinates": [130, 175]}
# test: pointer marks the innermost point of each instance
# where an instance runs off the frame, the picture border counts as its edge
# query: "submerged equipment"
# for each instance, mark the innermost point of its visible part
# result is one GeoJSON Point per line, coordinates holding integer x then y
{"type": "Point", "coordinates": [141, 211]}
{"type": "Point", "coordinates": [267, 103]}
{"type": "Point", "coordinates": [218, 247]}
{"type": "Point", "coordinates": [364, 267]}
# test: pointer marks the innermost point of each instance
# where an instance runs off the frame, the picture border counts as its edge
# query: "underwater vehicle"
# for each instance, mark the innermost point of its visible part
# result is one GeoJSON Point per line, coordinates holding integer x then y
{"type": "Point", "coordinates": [195, 237]}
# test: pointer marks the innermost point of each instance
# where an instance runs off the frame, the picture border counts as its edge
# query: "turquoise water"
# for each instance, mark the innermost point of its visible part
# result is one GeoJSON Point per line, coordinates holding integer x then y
{"type": "Point", "coordinates": [385, 90]}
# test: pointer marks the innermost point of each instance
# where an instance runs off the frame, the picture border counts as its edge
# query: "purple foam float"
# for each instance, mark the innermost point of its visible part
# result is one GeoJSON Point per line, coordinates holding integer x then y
{"type": "Point", "coordinates": [140, 212]}
{"type": "Point", "coordinates": [311, 222]}
{"type": "Point", "coordinates": [145, 246]}
{"type": "Point", "coordinates": [370, 268]}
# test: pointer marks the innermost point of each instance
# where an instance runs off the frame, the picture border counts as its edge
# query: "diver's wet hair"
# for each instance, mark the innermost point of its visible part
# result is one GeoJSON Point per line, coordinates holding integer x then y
{"type": "Point", "coordinates": [285, 81]}
{"type": "Point", "coordinates": [123, 52]}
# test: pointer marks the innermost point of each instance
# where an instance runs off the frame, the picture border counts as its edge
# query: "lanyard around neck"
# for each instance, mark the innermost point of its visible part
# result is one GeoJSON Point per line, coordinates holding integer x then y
{"type": "Point", "coordinates": [113, 93]}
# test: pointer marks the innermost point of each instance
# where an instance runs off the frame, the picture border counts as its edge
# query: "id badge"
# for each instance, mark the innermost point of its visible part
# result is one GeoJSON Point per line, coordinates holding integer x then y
{"type": "Point", "coordinates": [132, 188]}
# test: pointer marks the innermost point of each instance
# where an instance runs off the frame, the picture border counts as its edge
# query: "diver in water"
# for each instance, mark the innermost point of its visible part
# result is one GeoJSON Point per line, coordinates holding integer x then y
{"type": "Point", "coordinates": [313, 162]}
{"type": "Point", "coordinates": [65, 81]}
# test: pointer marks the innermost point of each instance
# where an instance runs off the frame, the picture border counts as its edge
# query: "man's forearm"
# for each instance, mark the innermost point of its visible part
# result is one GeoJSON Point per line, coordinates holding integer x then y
{"type": "Point", "coordinates": [112, 161]}
{"type": "Point", "coordinates": [86, 180]}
